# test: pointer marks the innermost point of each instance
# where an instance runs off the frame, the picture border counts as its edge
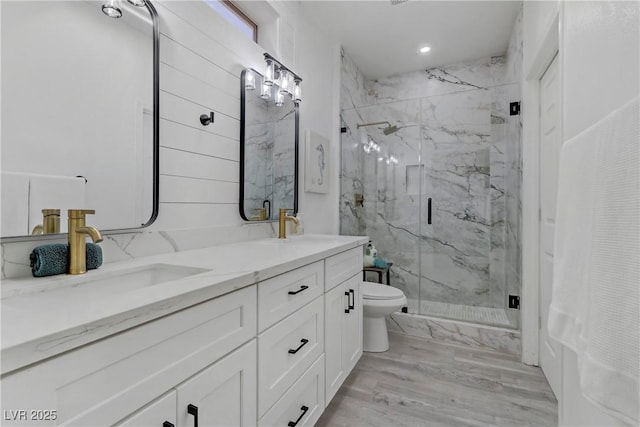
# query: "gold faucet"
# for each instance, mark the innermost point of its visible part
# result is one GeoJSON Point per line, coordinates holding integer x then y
{"type": "Point", "coordinates": [262, 215]}
{"type": "Point", "coordinates": [282, 233]}
{"type": "Point", "coordinates": [50, 222]}
{"type": "Point", "coordinates": [77, 232]}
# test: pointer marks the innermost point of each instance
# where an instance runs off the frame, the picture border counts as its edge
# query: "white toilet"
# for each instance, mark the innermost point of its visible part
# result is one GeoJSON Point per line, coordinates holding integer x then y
{"type": "Point", "coordinates": [378, 301]}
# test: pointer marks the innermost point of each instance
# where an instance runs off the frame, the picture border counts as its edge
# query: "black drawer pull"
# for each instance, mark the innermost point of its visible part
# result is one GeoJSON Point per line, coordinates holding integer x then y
{"type": "Point", "coordinates": [302, 288]}
{"type": "Point", "coordinates": [167, 424]}
{"type": "Point", "coordinates": [193, 410]}
{"type": "Point", "coordinates": [429, 210]}
{"type": "Point", "coordinates": [304, 410]}
{"type": "Point", "coordinates": [304, 341]}
{"type": "Point", "coordinates": [352, 300]}
{"type": "Point", "coordinates": [346, 310]}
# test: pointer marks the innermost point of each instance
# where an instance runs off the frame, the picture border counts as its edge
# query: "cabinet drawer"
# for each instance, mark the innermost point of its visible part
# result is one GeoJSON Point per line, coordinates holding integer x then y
{"type": "Point", "coordinates": [303, 402]}
{"type": "Point", "coordinates": [342, 266]}
{"type": "Point", "coordinates": [282, 295]}
{"type": "Point", "coordinates": [283, 355]}
{"type": "Point", "coordinates": [101, 383]}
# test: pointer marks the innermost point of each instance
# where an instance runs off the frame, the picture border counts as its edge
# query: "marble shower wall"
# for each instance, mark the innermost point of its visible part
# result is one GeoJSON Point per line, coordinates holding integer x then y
{"type": "Point", "coordinates": [453, 147]}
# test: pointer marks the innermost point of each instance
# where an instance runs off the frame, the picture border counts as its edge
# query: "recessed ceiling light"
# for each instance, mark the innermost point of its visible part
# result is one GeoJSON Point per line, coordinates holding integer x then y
{"type": "Point", "coordinates": [424, 49]}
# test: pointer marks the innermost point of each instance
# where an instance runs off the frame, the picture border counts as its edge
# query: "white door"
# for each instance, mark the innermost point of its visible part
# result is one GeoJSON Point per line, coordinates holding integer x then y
{"type": "Point", "coordinates": [550, 143]}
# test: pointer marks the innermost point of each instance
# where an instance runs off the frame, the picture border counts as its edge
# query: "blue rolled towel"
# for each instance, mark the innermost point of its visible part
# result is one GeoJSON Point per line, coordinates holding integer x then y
{"type": "Point", "coordinates": [379, 263]}
{"type": "Point", "coordinates": [48, 260]}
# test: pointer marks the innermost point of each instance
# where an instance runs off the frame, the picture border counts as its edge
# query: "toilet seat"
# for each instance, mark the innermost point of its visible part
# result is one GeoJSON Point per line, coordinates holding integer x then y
{"type": "Point", "coordinates": [375, 291]}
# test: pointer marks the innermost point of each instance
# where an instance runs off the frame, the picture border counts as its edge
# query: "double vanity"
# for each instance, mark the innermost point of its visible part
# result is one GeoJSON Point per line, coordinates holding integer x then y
{"type": "Point", "coordinates": [253, 333]}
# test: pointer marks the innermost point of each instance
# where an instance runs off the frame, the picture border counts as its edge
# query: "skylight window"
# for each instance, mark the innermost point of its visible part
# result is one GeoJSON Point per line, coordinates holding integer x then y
{"type": "Point", "coordinates": [235, 17]}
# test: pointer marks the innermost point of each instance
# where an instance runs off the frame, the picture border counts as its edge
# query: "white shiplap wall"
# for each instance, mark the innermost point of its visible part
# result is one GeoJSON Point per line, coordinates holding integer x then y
{"type": "Point", "coordinates": [201, 59]}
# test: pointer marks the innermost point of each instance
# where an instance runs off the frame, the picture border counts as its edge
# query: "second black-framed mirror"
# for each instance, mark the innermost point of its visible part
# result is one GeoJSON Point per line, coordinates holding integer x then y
{"type": "Point", "coordinates": [269, 146]}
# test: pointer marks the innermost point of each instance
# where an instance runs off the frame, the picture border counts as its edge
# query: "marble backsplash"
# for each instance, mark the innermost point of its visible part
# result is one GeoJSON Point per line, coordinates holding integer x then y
{"type": "Point", "coordinates": [120, 247]}
{"type": "Point", "coordinates": [456, 144]}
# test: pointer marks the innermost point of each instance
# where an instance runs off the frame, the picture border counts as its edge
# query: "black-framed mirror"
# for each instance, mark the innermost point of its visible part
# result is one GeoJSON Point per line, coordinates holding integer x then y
{"type": "Point", "coordinates": [80, 114]}
{"type": "Point", "coordinates": [269, 135]}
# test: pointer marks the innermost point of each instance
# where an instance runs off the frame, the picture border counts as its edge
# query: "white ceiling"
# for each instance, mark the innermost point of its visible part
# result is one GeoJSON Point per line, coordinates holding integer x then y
{"type": "Point", "coordinates": [384, 39]}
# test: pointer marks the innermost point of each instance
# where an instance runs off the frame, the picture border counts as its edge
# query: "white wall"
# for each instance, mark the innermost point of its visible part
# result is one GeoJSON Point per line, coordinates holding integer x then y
{"type": "Point", "coordinates": [599, 63]}
{"type": "Point", "coordinates": [201, 60]}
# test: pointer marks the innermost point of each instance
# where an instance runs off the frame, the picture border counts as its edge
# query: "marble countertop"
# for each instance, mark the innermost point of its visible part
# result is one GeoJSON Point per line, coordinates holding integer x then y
{"type": "Point", "coordinates": [43, 317]}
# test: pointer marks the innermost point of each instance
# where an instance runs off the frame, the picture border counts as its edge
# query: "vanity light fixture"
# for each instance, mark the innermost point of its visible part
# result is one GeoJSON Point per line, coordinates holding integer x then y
{"type": "Point", "coordinates": [265, 92]}
{"type": "Point", "coordinates": [284, 82]}
{"type": "Point", "coordinates": [250, 81]}
{"type": "Point", "coordinates": [269, 72]}
{"type": "Point", "coordinates": [297, 92]}
{"type": "Point", "coordinates": [111, 8]}
{"type": "Point", "coordinates": [287, 81]}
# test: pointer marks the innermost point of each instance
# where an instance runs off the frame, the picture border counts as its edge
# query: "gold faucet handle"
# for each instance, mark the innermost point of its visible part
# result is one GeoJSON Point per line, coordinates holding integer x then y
{"type": "Point", "coordinates": [80, 213]}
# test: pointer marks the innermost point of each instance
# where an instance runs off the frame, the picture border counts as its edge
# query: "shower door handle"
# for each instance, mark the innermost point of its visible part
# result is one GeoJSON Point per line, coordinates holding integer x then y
{"type": "Point", "coordinates": [429, 210]}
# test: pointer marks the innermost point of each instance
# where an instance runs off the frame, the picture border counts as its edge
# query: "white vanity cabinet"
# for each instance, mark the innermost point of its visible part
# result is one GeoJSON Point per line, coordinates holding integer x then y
{"type": "Point", "coordinates": [220, 395]}
{"type": "Point", "coordinates": [223, 394]}
{"type": "Point", "coordinates": [343, 314]}
{"type": "Point", "coordinates": [161, 412]}
{"type": "Point", "coordinates": [270, 353]}
{"type": "Point", "coordinates": [116, 378]}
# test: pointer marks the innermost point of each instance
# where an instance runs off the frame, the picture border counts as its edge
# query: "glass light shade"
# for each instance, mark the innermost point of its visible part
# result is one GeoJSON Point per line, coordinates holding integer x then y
{"type": "Point", "coordinates": [138, 3]}
{"type": "Point", "coordinates": [290, 85]}
{"type": "Point", "coordinates": [269, 73]}
{"type": "Point", "coordinates": [280, 99]}
{"type": "Point", "coordinates": [265, 92]}
{"type": "Point", "coordinates": [297, 93]}
{"type": "Point", "coordinates": [284, 82]}
{"type": "Point", "coordinates": [249, 81]}
{"type": "Point", "coordinates": [111, 8]}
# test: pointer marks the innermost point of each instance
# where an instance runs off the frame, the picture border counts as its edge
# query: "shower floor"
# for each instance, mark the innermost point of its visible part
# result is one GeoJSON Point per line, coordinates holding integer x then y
{"type": "Point", "coordinates": [466, 313]}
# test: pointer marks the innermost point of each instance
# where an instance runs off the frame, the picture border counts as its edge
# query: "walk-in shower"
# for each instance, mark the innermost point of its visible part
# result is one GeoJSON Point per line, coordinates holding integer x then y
{"type": "Point", "coordinates": [454, 148]}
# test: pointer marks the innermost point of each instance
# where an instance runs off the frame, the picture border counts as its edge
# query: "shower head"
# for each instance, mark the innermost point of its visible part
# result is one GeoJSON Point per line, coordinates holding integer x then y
{"type": "Point", "coordinates": [387, 131]}
{"type": "Point", "coordinates": [390, 129]}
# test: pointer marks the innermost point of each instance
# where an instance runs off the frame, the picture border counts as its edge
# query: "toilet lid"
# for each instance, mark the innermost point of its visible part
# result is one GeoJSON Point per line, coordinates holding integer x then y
{"type": "Point", "coordinates": [377, 291]}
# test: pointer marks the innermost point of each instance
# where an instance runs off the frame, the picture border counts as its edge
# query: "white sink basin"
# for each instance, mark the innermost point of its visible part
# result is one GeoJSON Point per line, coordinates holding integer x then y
{"type": "Point", "coordinates": [110, 283]}
{"type": "Point", "coordinates": [141, 277]}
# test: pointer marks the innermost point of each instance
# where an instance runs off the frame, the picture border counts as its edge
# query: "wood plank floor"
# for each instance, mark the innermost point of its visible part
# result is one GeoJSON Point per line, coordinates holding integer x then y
{"type": "Point", "coordinates": [421, 382]}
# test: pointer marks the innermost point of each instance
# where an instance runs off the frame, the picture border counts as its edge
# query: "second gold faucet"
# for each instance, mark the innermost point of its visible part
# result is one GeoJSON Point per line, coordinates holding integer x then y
{"type": "Point", "coordinates": [77, 234]}
{"type": "Point", "coordinates": [282, 229]}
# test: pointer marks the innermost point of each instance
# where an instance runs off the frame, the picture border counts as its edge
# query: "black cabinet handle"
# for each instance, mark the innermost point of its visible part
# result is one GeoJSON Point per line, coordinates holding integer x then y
{"type": "Point", "coordinates": [304, 410]}
{"type": "Point", "coordinates": [167, 424]}
{"type": "Point", "coordinates": [346, 310]}
{"type": "Point", "coordinates": [429, 210]}
{"type": "Point", "coordinates": [304, 341]}
{"type": "Point", "coordinates": [302, 288]}
{"type": "Point", "coordinates": [193, 410]}
{"type": "Point", "coordinates": [352, 299]}
{"type": "Point", "coordinates": [205, 119]}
